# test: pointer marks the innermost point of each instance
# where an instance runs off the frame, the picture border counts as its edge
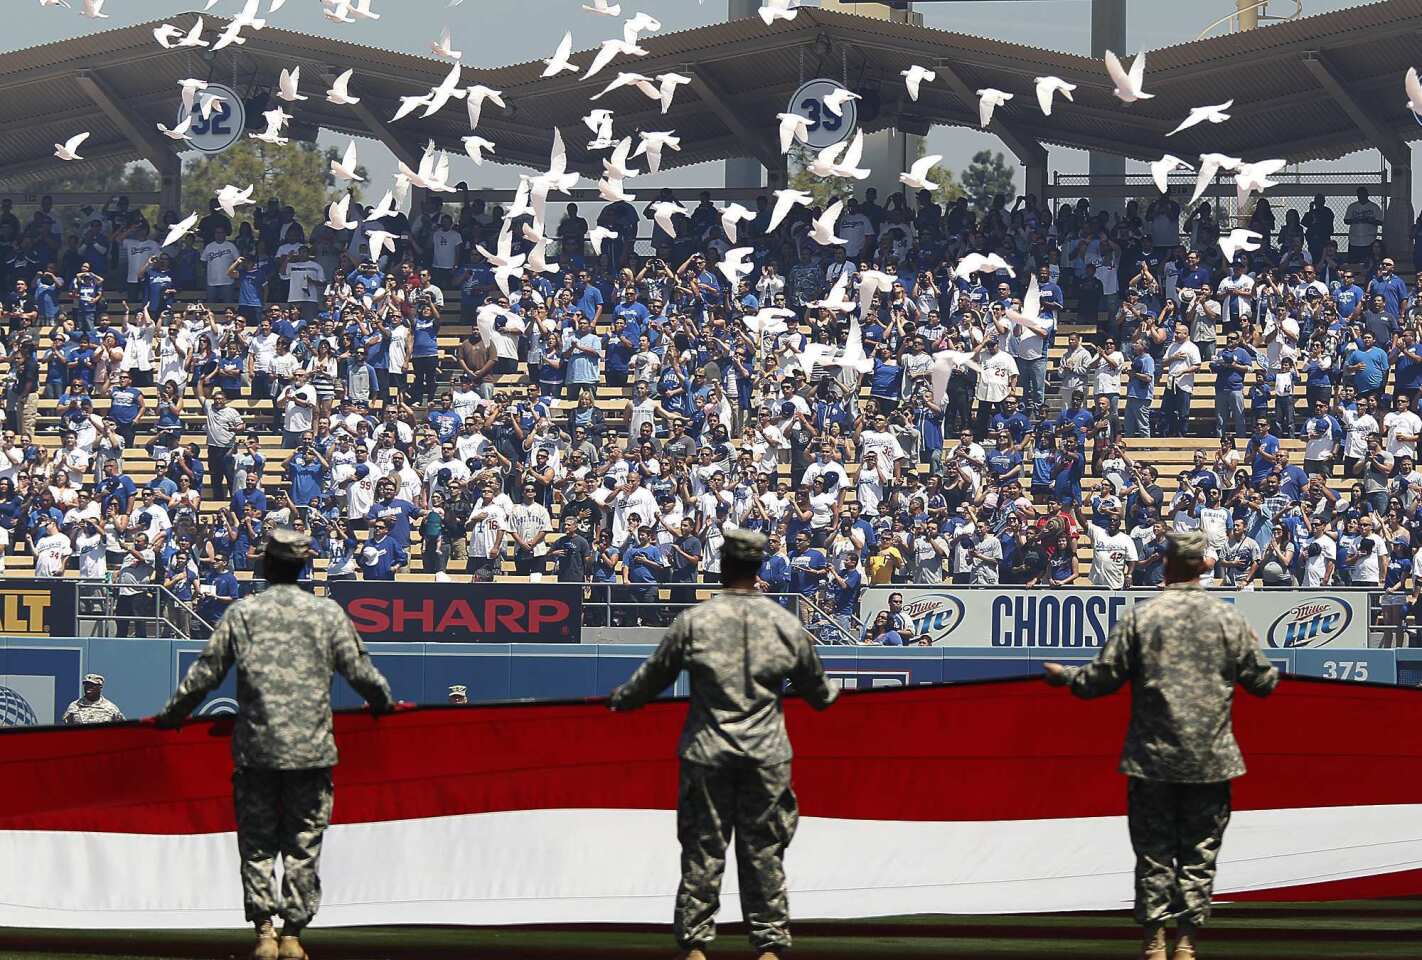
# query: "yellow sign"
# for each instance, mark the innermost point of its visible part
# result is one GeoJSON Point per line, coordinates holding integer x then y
{"type": "Point", "coordinates": [24, 613]}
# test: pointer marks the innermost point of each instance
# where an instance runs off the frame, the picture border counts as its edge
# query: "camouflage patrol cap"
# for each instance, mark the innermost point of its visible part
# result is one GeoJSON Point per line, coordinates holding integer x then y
{"type": "Point", "coordinates": [743, 546]}
{"type": "Point", "coordinates": [94, 678]}
{"type": "Point", "coordinates": [1186, 545]}
{"type": "Point", "coordinates": [288, 544]}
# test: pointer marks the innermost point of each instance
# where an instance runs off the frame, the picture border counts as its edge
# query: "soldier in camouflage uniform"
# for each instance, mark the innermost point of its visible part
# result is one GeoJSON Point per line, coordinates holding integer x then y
{"type": "Point", "coordinates": [1182, 652]}
{"type": "Point", "coordinates": [92, 707]}
{"type": "Point", "coordinates": [285, 644]}
{"type": "Point", "coordinates": [739, 649]}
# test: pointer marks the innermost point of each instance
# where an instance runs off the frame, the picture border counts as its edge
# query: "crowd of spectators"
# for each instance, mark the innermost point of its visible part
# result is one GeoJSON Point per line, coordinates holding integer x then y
{"type": "Point", "coordinates": [499, 443]}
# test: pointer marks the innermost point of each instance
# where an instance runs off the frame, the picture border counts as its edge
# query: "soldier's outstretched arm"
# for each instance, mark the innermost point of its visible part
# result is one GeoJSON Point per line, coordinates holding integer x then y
{"type": "Point", "coordinates": [1252, 668]}
{"type": "Point", "coordinates": [353, 662]}
{"type": "Point", "coordinates": [204, 675]}
{"type": "Point", "coordinates": [809, 673]}
{"type": "Point", "coordinates": [1111, 668]}
{"type": "Point", "coordinates": [656, 672]}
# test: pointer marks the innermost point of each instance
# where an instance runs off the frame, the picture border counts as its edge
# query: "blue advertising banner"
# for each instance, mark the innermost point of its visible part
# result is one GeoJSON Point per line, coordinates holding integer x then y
{"type": "Point", "coordinates": [388, 611]}
{"type": "Point", "coordinates": [37, 607]}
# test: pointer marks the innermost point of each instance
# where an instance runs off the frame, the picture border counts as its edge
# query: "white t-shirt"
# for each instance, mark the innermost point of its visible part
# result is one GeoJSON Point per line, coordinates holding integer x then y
{"type": "Point", "coordinates": [1215, 522]}
{"type": "Point", "coordinates": [1107, 376]}
{"type": "Point", "coordinates": [993, 382]}
{"type": "Point", "coordinates": [1362, 233]}
{"type": "Point", "coordinates": [1179, 357]}
{"type": "Point", "coordinates": [51, 554]}
{"type": "Point", "coordinates": [219, 258]}
{"type": "Point", "coordinates": [1109, 556]}
{"type": "Point", "coordinates": [308, 281]}
{"type": "Point", "coordinates": [1365, 566]}
{"type": "Point", "coordinates": [1402, 421]}
{"type": "Point", "coordinates": [299, 418]}
{"type": "Point", "coordinates": [446, 245]}
{"type": "Point", "coordinates": [91, 556]}
{"type": "Point", "coordinates": [138, 252]}
{"type": "Point", "coordinates": [1316, 567]}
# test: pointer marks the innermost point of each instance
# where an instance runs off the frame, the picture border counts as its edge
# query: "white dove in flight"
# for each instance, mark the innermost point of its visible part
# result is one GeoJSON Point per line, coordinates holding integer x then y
{"type": "Point", "coordinates": [663, 212]}
{"type": "Point", "coordinates": [229, 198]}
{"type": "Point", "coordinates": [1239, 240]}
{"type": "Point", "coordinates": [768, 321]}
{"type": "Point", "coordinates": [340, 92]}
{"type": "Point", "coordinates": [792, 127]}
{"type": "Point", "coordinates": [208, 102]}
{"type": "Point", "coordinates": [180, 132]}
{"type": "Point", "coordinates": [822, 227]}
{"type": "Point", "coordinates": [944, 363]}
{"type": "Point", "coordinates": [1214, 114]}
{"type": "Point", "coordinates": [773, 10]}
{"type": "Point", "coordinates": [641, 81]}
{"type": "Point", "coordinates": [276, 119]}
{"type": "Point", "coordinates": [361, 9]}
{"type": "Point", "coordinates": [1210, 166]}
{"type": "Point", "coordinates": [733, 265]}
{"type": "Point", "coordinates": [824, 163]}
{"type": "Point", "coordinates": [607, 51]}
{"type": "Point", "coordinates": [1255, 176]}
{"type": "Point", "coordinates": [1160, 170]}
{"type": "Point", "coordinates": [853, 356]}
{"type": "Point", "coordinates": [94, 10]}
{"type": "Point", "coordinates": [653, 143]}
{"type": "Point", "coordinates": [871, 284]}
{"type": "Point", "coordinates": [979, 263]}
{"type": "Point", "coordinates": [409, 105]}
{"type": "Point", "coordinates": [732, 213]}
{"type": "Point", "coordinates": [604, 8]}
{"type": "Point", "coordinates": [914, 77]}
{"type": "Point", "coordinates": [56, 3]}
{"type": "Point", "coordinates": [1047, 87]}
{"type": "Point", "coordinates": [180, 229]}
{"type": "Point", "coordinates": [170, 36]}
{"type": "Point", "coordinates": [989, 99]}
{"type": "Point", "coordinates": [68, 150]}
{"type": "Point", "coordinates": [190, 92]}
{"type": "Point", "coordinates": [666, 88]}
{"type": "Point", "coordinates": [381, 241]}
{"type": "Point", "coordinates": [616, 167]}
{"type": "Point", "coordinates": [610, 189]}
{"type": "Point", "coordinates": [1413, 86]}
{"type": "Point", "coordinates": [345, 168]}
{"type": "Point", "coordinates": [837, 299]}
{"type": "Point", "coordinates": [386, 208]}
{"type": "Point", "coordinates": [597, 235]}
{"type": "Point", "coordinates": [639, 24]}
{"type": "Point", "coordinates": [477, 94]}
{"type": "Point", "coordinates": [337, 215]}
{"type": "Point", "coordinates": [848, 165]}
{"type": "Point", "coordinates": [287, 83]}
{"type": "Point", "coordinates": [443, 46]}
{"type": "Point", "coordinates": [448, 89]}
{"type": "Point", "coordinates": [476, 146]}
{"type": "Point", "coordinates": [917, 176]}
{"type": "Point", "coordinates": [559, 63]}
{"type": "Point", "coordinates": [784, 200]}
{"type": "Point", "coordinates": [835, 100]}
{"type": "Point", "coordinates": [1128, 82]}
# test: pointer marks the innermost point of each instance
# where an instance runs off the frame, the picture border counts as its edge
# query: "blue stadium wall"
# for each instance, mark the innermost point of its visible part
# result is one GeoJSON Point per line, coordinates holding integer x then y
{"type": "Point", "coordinates": [40, 676]}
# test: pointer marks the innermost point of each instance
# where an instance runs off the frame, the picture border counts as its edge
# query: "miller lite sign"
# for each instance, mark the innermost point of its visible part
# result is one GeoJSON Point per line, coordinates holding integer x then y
{"type": "Point", "coordinates": [1316, 622]}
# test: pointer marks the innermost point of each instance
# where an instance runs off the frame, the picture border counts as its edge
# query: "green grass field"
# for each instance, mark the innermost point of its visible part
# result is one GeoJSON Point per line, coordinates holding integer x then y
{"type": "Point", "coordinates": [1340, 931]}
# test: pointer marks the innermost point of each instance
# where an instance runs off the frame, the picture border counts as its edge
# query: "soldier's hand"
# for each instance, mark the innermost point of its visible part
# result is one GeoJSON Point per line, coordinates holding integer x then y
{"type": "Point", "coordinates": [1055, 674]}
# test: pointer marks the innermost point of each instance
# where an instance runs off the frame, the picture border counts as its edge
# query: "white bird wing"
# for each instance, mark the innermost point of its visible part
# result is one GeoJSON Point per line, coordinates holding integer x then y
{"type": "Point", "coordinates": [340, 89]}
{"type": "Point", "coordinates": [72, 144]}
{"type": "Point", "coordinates": [1137, 77]}
{"type": "Point", "coordinates": [986, 106]}
{"type": "Point", "coordinates": [921, 167]}
{"type": "Point", "coordinates": [792, 127]}
{"type": "Point", "coordinates": [1413, 86]}
{"type": "Point", "coordinates": [850, 160]}
{"type": "Point", "coordinates": [1032, 300]}
{"type": "Point", "coordinates": [336, 214]}
{"type": "Point", "coordinates": [559, 61]}
{"type": "Point", "coordinates": [180, 229]}
{"type": "Point", "coordinates": [824, 224]}
{"type": "Point", "coordinates": [408, 105]}
{"type": "Point", "coordinates": [733, 265]}
{"type": "Point", "coordinates": [1160, 170]}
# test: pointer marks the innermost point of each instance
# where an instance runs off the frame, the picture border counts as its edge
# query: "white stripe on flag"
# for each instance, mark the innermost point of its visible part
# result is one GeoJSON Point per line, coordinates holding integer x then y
{"type": "Point", "coordinates": [620, 866]}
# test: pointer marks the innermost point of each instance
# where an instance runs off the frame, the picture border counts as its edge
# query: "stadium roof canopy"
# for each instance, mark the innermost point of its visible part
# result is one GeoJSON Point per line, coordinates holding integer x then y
{"type": "Point", "coordinates": [1314, 88]}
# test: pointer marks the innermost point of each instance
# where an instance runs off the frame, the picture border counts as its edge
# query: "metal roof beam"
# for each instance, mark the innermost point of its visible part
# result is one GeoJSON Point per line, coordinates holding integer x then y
{"type": "Point", "coordinates": [1026, 150]}
{"type": "Point", "coordinates": [148, 146]}
{"type": "Point", "coordinates": [1390, 146]}
{"type": "Point", "coordinates": [719, 104]}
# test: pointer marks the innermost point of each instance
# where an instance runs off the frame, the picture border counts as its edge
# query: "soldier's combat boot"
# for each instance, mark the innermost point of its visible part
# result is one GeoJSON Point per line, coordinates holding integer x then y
{"type": "Point", "coordinates": [266, 946]}
{"type": "Point", "coordinates": [1153, 945]}
{"type": "Point", "coordinates": [1185, 942]}
{"type": "Point", "coordinates": [290, 948]}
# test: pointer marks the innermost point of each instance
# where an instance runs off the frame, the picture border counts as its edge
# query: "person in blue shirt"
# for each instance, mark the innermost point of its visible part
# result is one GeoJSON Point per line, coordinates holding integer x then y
{"type": "Point", "coordinates": [79, 361]}
{"type": "Point", "coordinates": [158, 290]}
{"type": "Point", "coordinates": [115, 487]}
{"type": "Point", "coordinates": [882, 632]}
{"type": "Point", "coordinates": [1005, 462]}
{"type": "Point", "coordinates": [126, 405]}
{"type": "Point", "coordinates": [1140, 390]}
{"type": "Point", "coordinates": [621, 341]}
{"type": "Point", "coordinates": [1262, 451]}
{"type": "Point", "coordinates": [424, 352]}
{"type": "Point", "coordinates": [365, 279]}
{"type": "Point", "coordinates": [886, 380]}
{"type": "Point", "coordinates": [56, 373]}
{"type": "Point", "coordinates": [251, 275]}
{"type": "Point", "coordinates": [305, 470]}
{"type": "Point", "coordinates": [844, 592]}
{"type": "Point", "coordinates": [88, 289]}
{"type": "Point", "coordinates": [1013, 420]}
{"type": "Point", "coordinates": [1292, 478]}
{"type": "Point", "coordinates": [587, 298]}
{"type": "Point", "coordinates": [394, 512]}
{"type": "Point", "coordinates": [1348, 296]}
{"type": "Point", "coordinates": [219, 591]}
{"type": "Point", "coordinates": [1368, 365]}
{"type": "Point", "coordinates": [46, 293]}
{"type": "Point", "coordinates": [1230, 365]}
{"type": "Point", "coordinates": [250, 494]}
{"type": "Point", "coordinates": [644, 566]}
{"type": "Point", "coordinates": [1387, 284]}
{"type": "Point", "coordinates": [807, 566]}
{"type": "Point", "coordinates": [445, 420]}
{"type": "Point", "coordinates": [774, 575]}
{"type": "Point", "coordinates": [381, 555]}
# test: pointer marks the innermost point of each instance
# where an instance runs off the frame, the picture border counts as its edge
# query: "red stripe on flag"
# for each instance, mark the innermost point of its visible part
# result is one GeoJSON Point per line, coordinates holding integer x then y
{"type": "Point", "coordinates": [989, 751]}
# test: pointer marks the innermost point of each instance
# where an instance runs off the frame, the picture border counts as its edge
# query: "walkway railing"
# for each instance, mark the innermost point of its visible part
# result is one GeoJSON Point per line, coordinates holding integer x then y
{"type": "Point", "coordinates": [110, 609]}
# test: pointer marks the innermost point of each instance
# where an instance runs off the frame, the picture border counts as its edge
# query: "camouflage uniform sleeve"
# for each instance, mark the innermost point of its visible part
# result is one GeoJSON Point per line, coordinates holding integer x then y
{"type": "Point", "coordinates": [206, 672]}
{"type": "Point", "coordinates": [809, 673]}
{"type": "Point", "coordinates": [71, 714]}
{"type": "Point", "coordinates": [657, 672]}
{"type": "Point", "coordinates": [353, 662]}
{"type": "Point", "coordinates": [1112, 667]}
{"type": "Point", "coordinates": [116, 714]}
{"type": "Point", "coordinates": [1251, 667]}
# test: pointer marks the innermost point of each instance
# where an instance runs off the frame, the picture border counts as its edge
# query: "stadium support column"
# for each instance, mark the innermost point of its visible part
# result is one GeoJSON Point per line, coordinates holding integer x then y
{"type": "Point", "coordinates": [742, 171]}
{"type": "Point", "coordinates": [1397, 227]}
{"type": "Point", "coordinates": [1108, 32]}
{"type": "Point", "coordinates": [150, 147]}
{"type": "Point", "coordinates": [1031, 154]}
{"type": "Point", "coordinates": [762, 148]}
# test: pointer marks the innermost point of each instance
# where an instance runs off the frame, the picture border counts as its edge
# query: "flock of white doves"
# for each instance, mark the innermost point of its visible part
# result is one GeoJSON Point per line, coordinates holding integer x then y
{"type": "Point", "coordinates": [838, 161]}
